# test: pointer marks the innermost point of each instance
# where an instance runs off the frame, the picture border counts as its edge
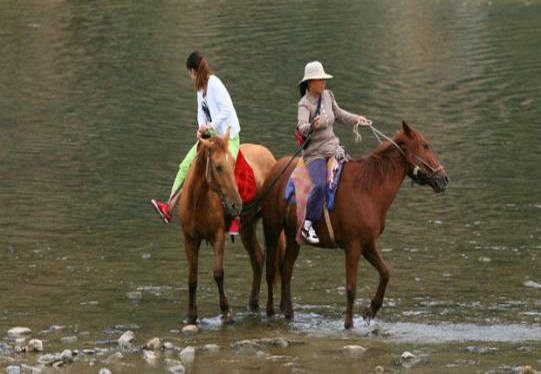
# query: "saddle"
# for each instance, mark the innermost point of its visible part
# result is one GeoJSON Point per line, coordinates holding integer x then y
{"type": "Point", "coordinates": [299, 187]}
{"type": "Point", "coordinates": [245, 178]}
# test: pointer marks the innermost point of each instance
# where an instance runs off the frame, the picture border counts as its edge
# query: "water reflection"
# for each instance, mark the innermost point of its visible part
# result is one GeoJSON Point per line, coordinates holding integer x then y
{"type": "Point", "coordinates": [96, 111]}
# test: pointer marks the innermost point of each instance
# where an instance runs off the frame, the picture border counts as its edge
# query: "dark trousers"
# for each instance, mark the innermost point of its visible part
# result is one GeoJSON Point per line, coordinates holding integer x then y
{"type": "Point", "coordinates": [317, 169]}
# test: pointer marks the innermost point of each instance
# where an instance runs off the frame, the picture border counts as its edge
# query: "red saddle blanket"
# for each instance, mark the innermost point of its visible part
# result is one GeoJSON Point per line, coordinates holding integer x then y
{"type": "Point", "coordinates": [245, 177]}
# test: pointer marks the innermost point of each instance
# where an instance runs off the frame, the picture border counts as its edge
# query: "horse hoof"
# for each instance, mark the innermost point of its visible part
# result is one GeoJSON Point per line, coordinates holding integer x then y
{"type": "Point", "coordinates": [191, 319]}
{"type": "Point", "coordinates": [227, 318]}
{"type": "Point", "coordinates": [253, 305]}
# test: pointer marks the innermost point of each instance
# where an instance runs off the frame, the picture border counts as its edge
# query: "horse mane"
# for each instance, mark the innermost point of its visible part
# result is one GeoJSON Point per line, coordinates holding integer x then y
{"type": "Point", "coordinates": [373, 167]}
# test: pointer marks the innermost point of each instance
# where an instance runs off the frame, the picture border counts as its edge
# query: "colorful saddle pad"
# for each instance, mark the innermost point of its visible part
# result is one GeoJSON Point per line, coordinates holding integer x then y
{"type": "Point", "coordinates": [245, 178]}
{"type": "Point", "coordinates": [299, 187]}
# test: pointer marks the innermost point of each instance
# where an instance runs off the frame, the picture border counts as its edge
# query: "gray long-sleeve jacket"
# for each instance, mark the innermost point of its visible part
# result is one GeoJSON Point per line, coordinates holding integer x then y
{"type": "Point", "coordinates": [324, 142]}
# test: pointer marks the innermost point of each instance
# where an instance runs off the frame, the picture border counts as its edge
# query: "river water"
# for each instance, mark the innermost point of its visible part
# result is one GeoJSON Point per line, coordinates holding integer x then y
{"type": "Point", "coordinates": [96, 111]}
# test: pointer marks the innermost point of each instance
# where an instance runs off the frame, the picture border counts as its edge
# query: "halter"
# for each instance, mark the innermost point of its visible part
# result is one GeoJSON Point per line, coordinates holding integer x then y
{"type": "Point", "coordinates": [416, 167]}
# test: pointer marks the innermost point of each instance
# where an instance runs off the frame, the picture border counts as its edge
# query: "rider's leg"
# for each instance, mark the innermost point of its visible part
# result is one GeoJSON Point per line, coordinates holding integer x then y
{"type": "Point", "coordinates": [317, 169]}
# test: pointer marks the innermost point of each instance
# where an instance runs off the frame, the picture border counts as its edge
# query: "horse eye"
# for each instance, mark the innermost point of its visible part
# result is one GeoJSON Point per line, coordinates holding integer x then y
{"type": "Point", "coordinates": [426, 146]}
{"type": "Point", "coordinates": [219, 168]}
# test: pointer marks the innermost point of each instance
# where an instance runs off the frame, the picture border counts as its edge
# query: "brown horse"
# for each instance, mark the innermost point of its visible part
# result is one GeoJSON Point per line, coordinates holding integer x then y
{"type": "Point", "coordinates": [366, 191]}
{"type": "Point", "coordinates": [209, 195]}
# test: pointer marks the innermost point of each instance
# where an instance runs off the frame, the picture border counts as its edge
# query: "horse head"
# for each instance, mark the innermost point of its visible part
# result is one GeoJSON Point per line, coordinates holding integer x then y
{"type": "Point", "coordinates": [220, 172]}
{"type": "Point", "coordinates": [423, 165]}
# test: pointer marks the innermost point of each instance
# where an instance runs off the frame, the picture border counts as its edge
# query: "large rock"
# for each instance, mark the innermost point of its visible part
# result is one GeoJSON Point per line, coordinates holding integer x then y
{"type": "Point", "coordinates": [168, 346]}
{"type": "Point", "coordinates": [353, 350]}
{"type": "Point", "coordinates": [20, 342]}
{"type": "Point", "coordinates": [34, 345]}
{"type": "Point", "coordinates": [126, 339]}
{"type": "Point", "coordinates": [19, 332]}
{"type": "Point", "coordinates": [31, 369]}
{"type": "Point", "coordinates": [68, 339]}
{"type": "Point", "coordinates": [48, 359]}
{"type": "Point", "coordinates": [212, 348]}
{"type": "Point", "coordinates": [177, 369]}
{"type": "Point", "coordinates": [55, 328]}
{"type": "Point", "coordinates": [117, 356]}
{"type": "Point", "coordinates": [190, 330]}
{"type": "Point", "coordinates": [13, 369]}
{"type": "Point", "coordinates": [66, 356]}
{"type": "Point", "coordinates": [408, 356]}
{"type": "Point", "coordinates": [154, 344]}
{"type": "Point", "coordinates": [150, 357]}
{"type": "Point", "coordinates": [187, 355]}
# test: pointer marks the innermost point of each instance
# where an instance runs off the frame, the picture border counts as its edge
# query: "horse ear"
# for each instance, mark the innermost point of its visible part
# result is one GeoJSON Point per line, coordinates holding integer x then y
{"type": "Point", "coordinates": [407, 129]}
{"type": "Point", "coordinates": [226, 136]}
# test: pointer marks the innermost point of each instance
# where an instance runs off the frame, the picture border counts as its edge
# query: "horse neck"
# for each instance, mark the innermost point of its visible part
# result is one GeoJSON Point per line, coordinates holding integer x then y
{"type": "Point", "coordinates": [388, 171]}
{"type": "Point", "coordinates": [196, 186]}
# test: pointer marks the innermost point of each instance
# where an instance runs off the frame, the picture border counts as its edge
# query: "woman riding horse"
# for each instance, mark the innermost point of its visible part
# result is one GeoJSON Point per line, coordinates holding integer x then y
{"type": "Point", "coordinates": [365, 193]}
{"type": "Point", "coordinates": [215, 114]}
{"type": "Point", "coordinates": [315, 99]}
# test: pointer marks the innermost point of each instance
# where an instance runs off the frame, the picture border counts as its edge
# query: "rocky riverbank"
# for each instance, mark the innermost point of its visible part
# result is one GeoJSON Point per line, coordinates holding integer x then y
{"type": "Point", "coordinates": [57, 348]}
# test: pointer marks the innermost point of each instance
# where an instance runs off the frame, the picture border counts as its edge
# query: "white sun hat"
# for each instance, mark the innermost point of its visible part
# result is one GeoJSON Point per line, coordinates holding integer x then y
{"type": "Point", "coordinates": [314, 70]}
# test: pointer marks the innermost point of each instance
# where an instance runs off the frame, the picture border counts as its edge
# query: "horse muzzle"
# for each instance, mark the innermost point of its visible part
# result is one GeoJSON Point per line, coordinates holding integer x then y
{"type": "Point", "coordinates": [232, 208]}
{"type": "Point", "coordinates": [439, 181]}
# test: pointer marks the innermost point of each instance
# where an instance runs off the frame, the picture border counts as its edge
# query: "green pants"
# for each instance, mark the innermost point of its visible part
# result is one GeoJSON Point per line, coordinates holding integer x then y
{"type": "Point", "coordinates": [233, 146]}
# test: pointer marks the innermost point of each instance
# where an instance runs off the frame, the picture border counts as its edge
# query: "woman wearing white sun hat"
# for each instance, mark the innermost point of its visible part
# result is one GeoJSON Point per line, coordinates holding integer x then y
{"type": "Point", "coordinates": [317, 112]}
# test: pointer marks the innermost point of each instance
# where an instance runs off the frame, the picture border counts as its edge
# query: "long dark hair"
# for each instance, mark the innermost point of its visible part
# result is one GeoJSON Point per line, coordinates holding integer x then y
{"type": "Point", "coordinates": [303, 86]}
{"type": "Point", "coordinates": [199, 64]}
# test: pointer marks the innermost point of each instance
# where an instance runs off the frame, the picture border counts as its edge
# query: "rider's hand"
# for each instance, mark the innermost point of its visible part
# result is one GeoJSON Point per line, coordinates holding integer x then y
{"type": "Point", "coordinates": [363, 121]}
{"type": "Point", "coordinates": [203, 129]}
{"type": "Point", "coordinates": [316, 122]}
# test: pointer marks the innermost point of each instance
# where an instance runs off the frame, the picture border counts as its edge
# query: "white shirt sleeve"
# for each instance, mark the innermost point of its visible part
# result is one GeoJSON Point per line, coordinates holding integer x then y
{"type": "Point", "coordinates": [217, 92]}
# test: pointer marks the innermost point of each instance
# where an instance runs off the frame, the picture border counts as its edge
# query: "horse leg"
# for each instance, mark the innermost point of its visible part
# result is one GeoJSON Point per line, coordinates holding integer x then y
{"type": "Point", "coordinates": [272, 236]}
{"type": "Point", "coordinates": [192, 254]}
{"type": "Point", "coordinates": [286, 272]}
{"type": "Point", "coordinates": [218, 272]}
{"type": "Point", "coordinates": [372, 255]}
{"type": "Point", "coordinates": [249, 240]}
{"type": "Point", "coordinates": [353, 253]}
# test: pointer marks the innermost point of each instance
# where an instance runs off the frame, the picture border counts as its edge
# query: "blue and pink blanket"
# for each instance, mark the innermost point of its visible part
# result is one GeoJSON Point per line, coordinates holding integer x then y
{"type": "Point", "coordinates": [299, 188]}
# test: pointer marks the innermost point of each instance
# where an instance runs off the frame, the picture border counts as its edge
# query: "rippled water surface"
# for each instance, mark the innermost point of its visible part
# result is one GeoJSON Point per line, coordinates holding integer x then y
{"type": "Point", "coordinates": [96, 111]}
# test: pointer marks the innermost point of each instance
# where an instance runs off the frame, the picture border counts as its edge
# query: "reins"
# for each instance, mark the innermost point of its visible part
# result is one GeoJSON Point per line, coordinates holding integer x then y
{"type": "Point", "coordinates": [377, 133]}
{"type": "Point", "coordinates": [255, 203]}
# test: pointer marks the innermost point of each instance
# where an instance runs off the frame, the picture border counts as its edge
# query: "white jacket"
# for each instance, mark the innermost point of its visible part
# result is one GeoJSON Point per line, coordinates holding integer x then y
{"type": "Point", "coordinates": [222, 111]}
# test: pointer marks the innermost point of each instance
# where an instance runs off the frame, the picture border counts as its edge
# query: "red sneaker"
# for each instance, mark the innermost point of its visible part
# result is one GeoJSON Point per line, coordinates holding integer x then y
{"type": "Point", "coordinates": [162, 209]}
{"type": "Point", "coordinates": [234, 228]}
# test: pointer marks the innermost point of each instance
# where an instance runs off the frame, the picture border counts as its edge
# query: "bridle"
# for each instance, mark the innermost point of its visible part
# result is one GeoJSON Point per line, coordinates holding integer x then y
{"type": "Point", "coordinates": [418, 172]}
{"type": "Point", "coordinates": [210, 172]}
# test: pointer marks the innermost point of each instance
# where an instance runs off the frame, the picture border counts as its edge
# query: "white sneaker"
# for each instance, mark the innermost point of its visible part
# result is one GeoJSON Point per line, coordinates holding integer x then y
{"type": "Point", "coordinates": [309, 234]}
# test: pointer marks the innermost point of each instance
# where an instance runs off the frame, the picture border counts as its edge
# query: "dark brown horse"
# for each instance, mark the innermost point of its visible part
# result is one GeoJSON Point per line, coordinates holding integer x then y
{"type": "Point", "coordinates": [209, 194]}
{"type": "Point", "coordinates": [366, 191]}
